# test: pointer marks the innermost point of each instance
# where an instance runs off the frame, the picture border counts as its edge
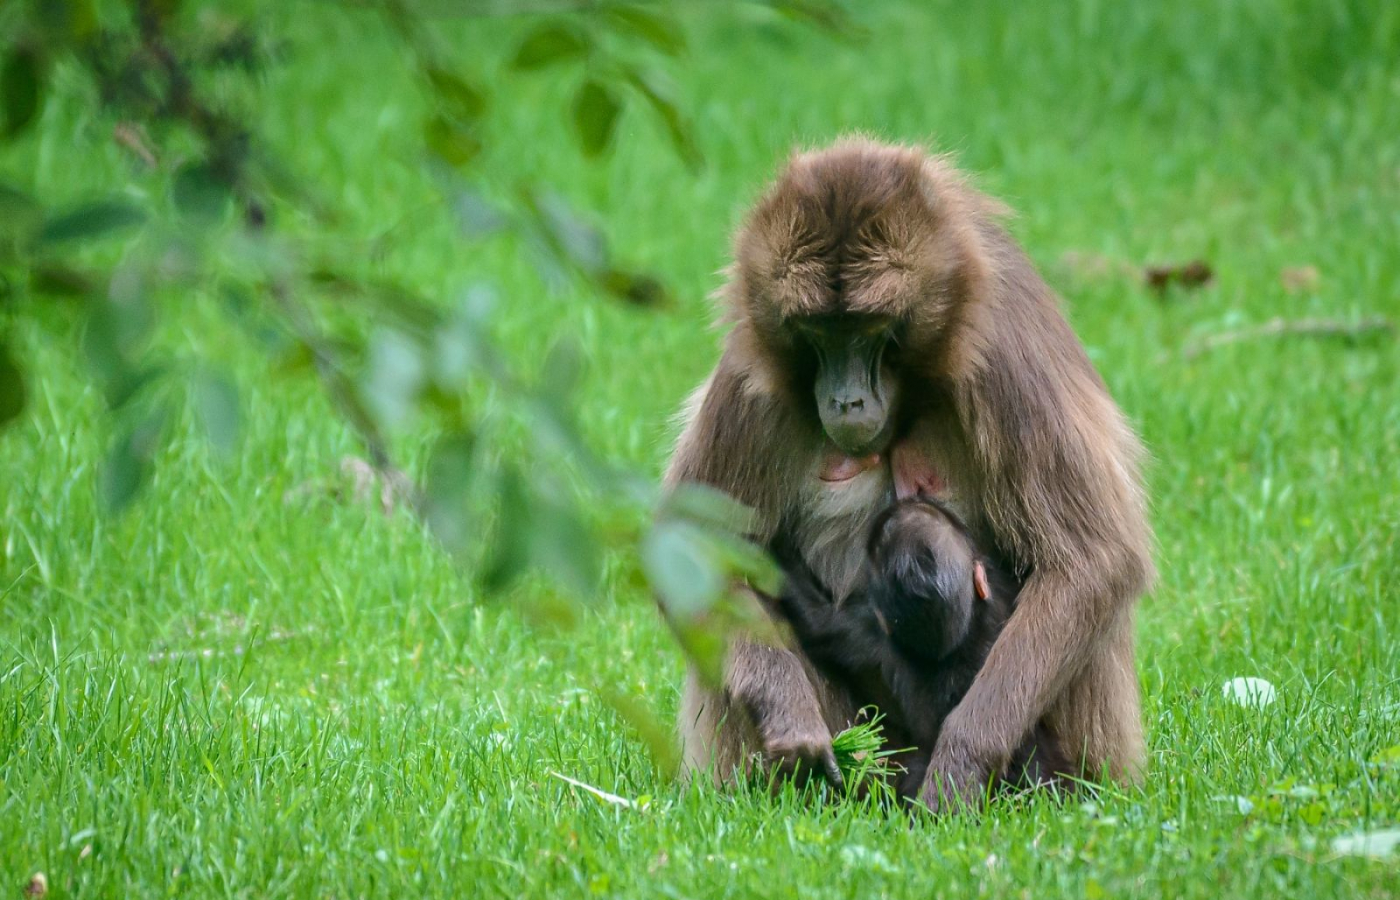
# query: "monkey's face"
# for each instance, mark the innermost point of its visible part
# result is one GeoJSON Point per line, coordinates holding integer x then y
{"type": "Point", "coordinates": [855, 391]}
{"type": "Point", "coordinates": [853, 251]}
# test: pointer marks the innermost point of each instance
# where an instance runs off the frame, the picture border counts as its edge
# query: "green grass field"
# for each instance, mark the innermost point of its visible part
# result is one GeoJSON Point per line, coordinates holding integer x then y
{"type": "Point", "coordinates": [224, 694]}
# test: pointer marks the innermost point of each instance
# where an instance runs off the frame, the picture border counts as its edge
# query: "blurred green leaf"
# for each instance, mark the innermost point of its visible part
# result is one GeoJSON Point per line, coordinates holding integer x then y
{"type": "Point", "coordinates": [199, 193]}
{"type": "Point", "coordinates": [460, 347]}
{"type": "Point", "coordinates": [635, 288]}
{"type": "Point", "coordinates": [595, 112]}
{"type": "Point", "coordinates": [742, 559]}
{"type": "Point", "coordinates": [452, 142]}
{"type": "Point", "coordinates": [659, 736]}
{"type": "Point", "coordinates": [91, 220]}
{"type": "Point", "coordinates": [563, 367]}
{"type": "Point", "coordinates": [122, 477]}
{"type": "Point", "coordinates": [464, 100]}
{"type": "Point", "coordinates": [216, 400]}
{"type": "Point", "coordinates": [686, 577]}
{"type": "Point", "coordinates": [828, 15]}
{"type": "Point", "coordinates": [660, 29]}
{"type": "Point", "coordinates": [21, 89]}
{"type": "Point", "coordinates": [476, 215]}
{"type": "Point", "coordinates": [19, 212]}
{"type": "Point", "coordinates": [549, 44]}
{"type": "Point", "coordinates": [562, 544]}
{"type": "Point", "coordinates": [447, 491]}
{"type": "Point", "coordinates": [76, 20]}
{"type": "Point", "coordinates": [708, 506]}
{"type": "Point", "coordinates": [127, 467]}
{"type": "Point", "coordinates": [163, 9]}
{"type": "Point", "coordinates": [660, 93]}
{"type": "Point", "coordinates": [568, 234]}
{"type": "Point", "coordinates": [509, 552]}
{"type": "Point", "coordinates": [124, 384]}
{"type": "Point", "coordinates": [12, 393]}
{"type": "Point", "coordinates": [58, 280]}
{"type": "Point", "coordinates": [395, 376]}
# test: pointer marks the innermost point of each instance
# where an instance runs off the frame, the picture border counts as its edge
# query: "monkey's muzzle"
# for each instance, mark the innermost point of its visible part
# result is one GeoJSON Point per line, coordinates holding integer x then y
{"type": "Point", "coordinates": [854, 395]}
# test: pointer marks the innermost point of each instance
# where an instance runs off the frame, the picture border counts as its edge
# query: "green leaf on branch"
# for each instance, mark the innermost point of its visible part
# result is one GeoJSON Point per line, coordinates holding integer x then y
{"type": "Point", "coordinates": [216, 400]}
{"type": "Point", "coordinates": [549, 44]}
{"type": "Point", "coordinates": [540, 529]}
{"type": "Point", "coordinates": [19, 212]}
{"type": "Point", "coordinates": [199, 193]}
{"type": "Point", "coordinates": [698, 559]}
{"type": "Point", "coordinates": [476, 215]}
{"type": "Point", "coordinates": [658, 29]}
{"type": "Point", "coordinates": [509, 552]}
{"type": "Point", "coordinates": [568, 235]}
{"type": "Point", "coordinates": [635, 288]}
{"type": "Point", "coordinates": [12, 392]}
{"type": "Point", "coordinates": [660, 94]}
{"type": "Point", "coordinates": [21, 90]}
{"type": "Point", "coordinates": [91, 220]}
{"type": "Point", "coordinates": [451, 141]}
{"type": "Point", "coordinates": [828, 15]}
{"type": "Point", "coordinates": [708, 507]}
{"type": "Point", "coordinates": [127, 468]}
{"type": "Point", "coordinates": [58, 280]}
{"type": "Point", "coordinates": [562, 544]}
{"type": "Point", "coordinates": [395, 377]}
{"type": "Point", "coordinates": [447, 491]}
{"type": "Point", "coordinates": [595, 111]}
{"type": "Point", "coordinates": [682, 571]}
{"type": "Point", "coordinates": [464, 100]}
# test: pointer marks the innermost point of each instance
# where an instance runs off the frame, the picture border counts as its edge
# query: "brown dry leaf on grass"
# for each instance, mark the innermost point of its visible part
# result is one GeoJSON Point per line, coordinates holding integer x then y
{"type": "Point", "coordinates": [1196, 273]}
{"type": "Point", "coordinates": [391, 488]}
{"type": "Point", "coordinates": [1299, 278]}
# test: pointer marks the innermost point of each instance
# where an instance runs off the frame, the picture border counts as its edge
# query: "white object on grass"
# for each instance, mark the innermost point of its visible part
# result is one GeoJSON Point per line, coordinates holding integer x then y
{"type": "Point", "coordinates": [1371, 844]}
{"type": "Point", "coordinates": [1251, 692]}
{"type": "Point", "coordinates": [601, 794]}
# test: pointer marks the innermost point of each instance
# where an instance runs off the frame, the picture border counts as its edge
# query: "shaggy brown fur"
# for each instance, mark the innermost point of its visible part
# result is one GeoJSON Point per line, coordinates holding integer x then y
{"type": "Point", "coordinates": [1000, 415]}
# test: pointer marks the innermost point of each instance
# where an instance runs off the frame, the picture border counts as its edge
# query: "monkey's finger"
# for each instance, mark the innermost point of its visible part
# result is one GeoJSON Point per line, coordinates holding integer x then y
{"type": "Point", "coordinates": [832, 770]}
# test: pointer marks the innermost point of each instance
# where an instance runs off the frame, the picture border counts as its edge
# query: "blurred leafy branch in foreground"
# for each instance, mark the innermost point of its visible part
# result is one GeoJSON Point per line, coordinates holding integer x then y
{"type": "Point", "coordinates": [203, 224]}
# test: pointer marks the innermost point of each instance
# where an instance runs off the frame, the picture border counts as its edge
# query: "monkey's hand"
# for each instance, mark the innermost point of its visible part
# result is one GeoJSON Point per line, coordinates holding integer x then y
{"type": "Point", "coordinates": [797, 745]}
{"type": "Point", "coordinates": [955, 781]}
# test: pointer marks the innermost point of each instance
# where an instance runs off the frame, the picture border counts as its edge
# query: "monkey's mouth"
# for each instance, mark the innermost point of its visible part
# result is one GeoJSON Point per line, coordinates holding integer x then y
{"type": "Point", "coordinates": [838, 467]}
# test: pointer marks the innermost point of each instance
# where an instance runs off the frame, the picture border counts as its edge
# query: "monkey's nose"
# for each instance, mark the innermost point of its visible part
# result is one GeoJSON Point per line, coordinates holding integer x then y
{"type": "Point", "coordinates": [846, 406]}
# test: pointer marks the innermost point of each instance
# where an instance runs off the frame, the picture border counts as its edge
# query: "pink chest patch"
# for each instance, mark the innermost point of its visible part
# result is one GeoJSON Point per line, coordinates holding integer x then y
{"type": "Point", "coordinates": [914, 475]}
{"type": "Point", "coordinates": [838, 467]}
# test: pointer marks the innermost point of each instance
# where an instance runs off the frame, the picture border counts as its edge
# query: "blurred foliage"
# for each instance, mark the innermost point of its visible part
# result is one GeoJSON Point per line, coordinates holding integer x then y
{"type": "Point", "coordinates": [199, 222]}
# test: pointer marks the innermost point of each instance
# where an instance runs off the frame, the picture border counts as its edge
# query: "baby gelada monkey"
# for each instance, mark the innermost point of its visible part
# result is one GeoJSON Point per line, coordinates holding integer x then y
{"type": "Point", "coordinates": [912, 639]}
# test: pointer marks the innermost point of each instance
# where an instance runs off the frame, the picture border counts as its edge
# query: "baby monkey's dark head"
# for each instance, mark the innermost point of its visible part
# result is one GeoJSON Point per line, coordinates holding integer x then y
{"type": "Point", "coordinates": [927, 578]}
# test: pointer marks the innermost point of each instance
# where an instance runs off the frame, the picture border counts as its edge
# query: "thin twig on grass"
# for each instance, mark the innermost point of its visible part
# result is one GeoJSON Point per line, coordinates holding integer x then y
{"type": "Point", "coordinates": [1279, 327]}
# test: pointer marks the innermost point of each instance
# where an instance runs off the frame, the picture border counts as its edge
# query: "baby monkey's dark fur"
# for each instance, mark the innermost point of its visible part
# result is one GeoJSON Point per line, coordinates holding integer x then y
{"type": "Point", "coordinates": [914, 638]}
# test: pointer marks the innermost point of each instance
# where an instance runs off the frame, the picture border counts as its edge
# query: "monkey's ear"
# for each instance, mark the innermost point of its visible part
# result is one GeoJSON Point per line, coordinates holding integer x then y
{"type": "Point", "coordinates": [979, 581]}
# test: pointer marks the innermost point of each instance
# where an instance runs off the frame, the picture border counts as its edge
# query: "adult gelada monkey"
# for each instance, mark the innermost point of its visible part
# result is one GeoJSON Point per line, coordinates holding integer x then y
{"type": "Point", "coordinates": [889, 338]}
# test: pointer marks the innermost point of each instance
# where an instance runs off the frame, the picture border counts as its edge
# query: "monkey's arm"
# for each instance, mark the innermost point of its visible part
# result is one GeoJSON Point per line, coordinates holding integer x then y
{"type": "Point", "coordinates": [739, 440]}
{"type": "Point", "coordinates": [1062, 495]}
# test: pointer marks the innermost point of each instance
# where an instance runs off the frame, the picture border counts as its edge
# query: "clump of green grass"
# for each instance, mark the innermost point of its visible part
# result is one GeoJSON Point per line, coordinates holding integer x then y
{"type": "Point", "coordinates": [867, 767]}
